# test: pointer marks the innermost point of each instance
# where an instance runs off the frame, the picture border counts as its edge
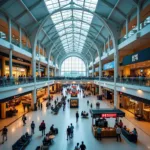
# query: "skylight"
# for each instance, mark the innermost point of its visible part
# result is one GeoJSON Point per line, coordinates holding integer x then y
{"type": "Point", "coordinates": [72, 25]}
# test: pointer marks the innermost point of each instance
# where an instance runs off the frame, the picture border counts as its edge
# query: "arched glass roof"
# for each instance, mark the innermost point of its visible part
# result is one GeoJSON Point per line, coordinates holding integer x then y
{"type": "Point", "coordinates": [76, 27]}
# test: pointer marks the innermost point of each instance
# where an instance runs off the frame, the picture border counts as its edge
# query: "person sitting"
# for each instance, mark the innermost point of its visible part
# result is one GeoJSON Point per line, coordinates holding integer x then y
{"type": "Point", "coordinates": [52, 129]}
{"type": "Point", "coordinates": [134, 131]}
{"type": "Point", "coordinates": [46, 140]}
{"type": "Point", "coordinates": [82, 113]}
{"type": "Point", "coordinates": [125, 128]}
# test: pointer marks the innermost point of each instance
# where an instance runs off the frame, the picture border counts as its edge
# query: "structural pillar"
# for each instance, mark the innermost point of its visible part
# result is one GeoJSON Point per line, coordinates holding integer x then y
{"type": "Point", "coordinates": [138, 17]}
{"type": "Point", "coordinates": [108, 43]}
{"type": "Point", "coordinates": [20, 37]}
{"type": "Point", "coordinates": [33, 102]}
{"type": "Point", "coordinates": [116, 61]}
{"type": "Point", "coordinates": [100, 75]}
{"type": "Point", "coordinates": [93, 70]}
{"type": "Point", "coordinates": [10, 63]}
{"type": "Point", "coordinates": [9, 30]}
{"type": "Point", "coordinates": [3, 66]}
{"type": "Point", "coordinates": [127, 21]}
{"type": "Point", "coordinates": [3, 110]}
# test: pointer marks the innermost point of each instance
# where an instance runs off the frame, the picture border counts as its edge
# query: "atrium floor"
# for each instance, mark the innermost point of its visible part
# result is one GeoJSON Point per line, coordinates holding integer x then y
{"type": "Point", "coordinates": [82, 130]}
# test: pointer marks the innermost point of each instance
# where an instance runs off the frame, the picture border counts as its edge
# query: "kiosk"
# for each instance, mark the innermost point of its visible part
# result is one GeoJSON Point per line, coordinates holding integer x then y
{"type": "Point", "coordinates": [101, 114]}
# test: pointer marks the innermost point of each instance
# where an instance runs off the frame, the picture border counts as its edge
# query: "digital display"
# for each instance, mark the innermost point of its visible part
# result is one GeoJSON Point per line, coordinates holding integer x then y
{"type": "Point", "coordinates": [109, 115]}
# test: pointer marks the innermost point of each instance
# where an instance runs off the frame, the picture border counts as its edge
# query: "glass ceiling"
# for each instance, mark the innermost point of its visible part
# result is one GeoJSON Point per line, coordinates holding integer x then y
{"type": "Point", "coordinates": [71, 29]}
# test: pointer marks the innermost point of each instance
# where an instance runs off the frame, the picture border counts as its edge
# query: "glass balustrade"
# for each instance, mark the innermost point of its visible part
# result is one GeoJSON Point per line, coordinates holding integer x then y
{"type": "Point", "coordinates": [134, 30]}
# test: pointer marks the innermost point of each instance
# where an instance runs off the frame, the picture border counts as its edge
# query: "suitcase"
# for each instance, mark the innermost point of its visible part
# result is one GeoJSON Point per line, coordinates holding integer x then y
{"type": "Point", "coordinates": [56, 130]}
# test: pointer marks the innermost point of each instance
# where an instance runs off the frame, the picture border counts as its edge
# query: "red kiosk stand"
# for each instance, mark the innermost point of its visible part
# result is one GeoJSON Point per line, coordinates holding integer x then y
{"type": "Point", "coordinates": [101, 114]}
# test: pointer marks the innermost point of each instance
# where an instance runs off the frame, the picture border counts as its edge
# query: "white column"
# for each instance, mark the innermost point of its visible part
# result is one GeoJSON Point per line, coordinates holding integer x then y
{"type": "Point", "coordinates": [20, 37]}
{"type": "Point", "coordinates": [104, 47]}
{"type": "Point", "coordinates": [116, 61]}
{"type": "Point", "coordinates": [43, 52]}
{"type": "Point", "coordinates": [138, 17]}
{"type": "Point", "coordinates": [34, 64]}
{"type": "Point", "coordinates": [33, 102]}
{"type": "Point", "coordinates": [108, 43]}
{"type": "Point", "coordinates": [48, 70]}
{"type": "Point", "coordinates": [93, 70]}
{"type": "Point", "coordinates": [39, 71]}
{"type": "Point", "coordinates": [55, 71]}
{"type": "Point", "coordinates": [10, 63]}
{"type": "Point", "coordinates": [10, 31]}
{"type": "Point", "coordinates": [127, 21]}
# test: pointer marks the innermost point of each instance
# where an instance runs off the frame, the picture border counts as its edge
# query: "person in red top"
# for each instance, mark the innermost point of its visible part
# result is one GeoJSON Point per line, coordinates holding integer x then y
{"type": "Point", "coordinates": [43, 127]}
{"type": "Point", "coordinates": [120, 124]}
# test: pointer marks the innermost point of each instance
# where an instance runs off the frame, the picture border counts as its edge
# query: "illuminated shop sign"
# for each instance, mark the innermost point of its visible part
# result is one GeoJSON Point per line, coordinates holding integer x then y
{"type": "Point", "coordinates": [109, 65]}
{"type": "Point", "coordinates": [109, 115]}
{"type": "Point", "coordinates": [135, 57]}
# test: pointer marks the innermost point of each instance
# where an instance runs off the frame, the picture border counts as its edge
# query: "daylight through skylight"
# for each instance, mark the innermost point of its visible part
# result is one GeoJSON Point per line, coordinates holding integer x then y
{"type": "Point", "coordinates": [72, 25]}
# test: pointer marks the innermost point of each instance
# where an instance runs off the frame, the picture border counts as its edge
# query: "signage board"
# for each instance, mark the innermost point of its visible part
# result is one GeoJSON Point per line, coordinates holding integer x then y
{"type": "Point", "coordinates": [140, 56]}
{"type": "Point", "coordinates": [109, 65]}
{"type": "Point", "coordinates": [108, 115]}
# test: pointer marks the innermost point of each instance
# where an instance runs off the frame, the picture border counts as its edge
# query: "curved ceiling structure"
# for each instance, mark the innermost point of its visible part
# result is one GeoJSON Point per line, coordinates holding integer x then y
{"type": "Point", "coordinates": [71, 26]}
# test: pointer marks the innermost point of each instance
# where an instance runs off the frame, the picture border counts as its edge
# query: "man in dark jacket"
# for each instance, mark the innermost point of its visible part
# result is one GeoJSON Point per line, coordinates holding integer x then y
{"type": "Point", "coordinates": [77, 116]}
{"type": "Point", "coordinates": [4, 133]}
{"type": "Point", "coordinates": [32, 127]}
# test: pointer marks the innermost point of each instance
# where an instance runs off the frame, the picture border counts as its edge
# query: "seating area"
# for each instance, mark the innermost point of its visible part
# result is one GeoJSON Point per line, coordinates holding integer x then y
{"type": "Point", "coordinates": [58, 105]}
{"type": "Point", "coordinates": [84, 114]}
{"type": "Point", "coordinates": [22, 142]}
{"type": "Point", "coordinates": [131, 137]}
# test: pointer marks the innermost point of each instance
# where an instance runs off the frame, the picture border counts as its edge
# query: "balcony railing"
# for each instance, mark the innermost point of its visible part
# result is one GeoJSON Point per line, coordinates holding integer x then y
{"type": "Point", "coordinates": [4, 82]}
{"type": "Point", "coordinates": [141, 81]}
{"type": "Point", "coordinates": [134, 30]}
{"type": "Point", "coordinates": [74, 78]}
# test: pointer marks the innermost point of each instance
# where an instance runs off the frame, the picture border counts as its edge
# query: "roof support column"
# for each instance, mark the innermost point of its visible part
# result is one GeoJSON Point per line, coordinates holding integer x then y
{"type": "Point", "coordinates": [87, 70]}
{"type": "Point", "coordinates": [104, 47]}
{"type": "Point", "coordinates": [138, 17]}
{"type": "Point", "coordinates": [10, 63]}
{"type": "Point", "coordinates": [39, 72]}
{"type": "Point", "coordinates": [9, 30]}
{"type": "Point", "coordinates": [93, 69]}
{"type": "Point", "coordinates": [108, 43]}
{"type": "Point", "coordinates": [127, 21]}
{"type": "Point", "coordinates": [48, 70]}
{"type": "Point", "coordinates": [116, 61]}
{"type": "Point", "coordinates": [20, 37]}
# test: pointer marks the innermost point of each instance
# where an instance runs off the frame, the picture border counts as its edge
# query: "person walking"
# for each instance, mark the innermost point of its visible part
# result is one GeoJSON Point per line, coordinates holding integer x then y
{"type": "Point", "coordinates": [77, 147]}
{"type": "Point", "coordinates": [32, 127]}
{"type": "Point", "coordinates": [24, 119]}
{"type": "Point", "coordinates": [118, 133]}
{"type": "Point", "coordinates": [68, 132]}
{"type": "Point", "coordinates": [77, 116]}
{"type": "Point", "coordinates": [71, 130]}
{"type": "Point", "coordinates": [43, 127]}
{"type": "Point", "coordinates": [99, 133]}
{"type": "Point", "coordinates": [82, 146]}
{"type": "Point", "coordinates": [87, 102]}
{"type": "Point", "coordinates": [4, 133]}
{"type": "Point", "coordinates": [91, 105]}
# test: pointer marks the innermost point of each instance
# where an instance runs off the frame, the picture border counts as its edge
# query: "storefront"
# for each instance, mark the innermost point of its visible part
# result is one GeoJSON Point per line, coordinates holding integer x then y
{"type": "Point", "coordinates": [108, 94]}
{"type": "Point", "coordinates": [137, 64]}
{"type": "Point", "coordinates": [15, 105]}
{"type": "Point", "coordinates": [108, 69]}
{"type": "Point", "coordinates": [19, 66]}
{"type": "Point", "coordinates": [135, 105]}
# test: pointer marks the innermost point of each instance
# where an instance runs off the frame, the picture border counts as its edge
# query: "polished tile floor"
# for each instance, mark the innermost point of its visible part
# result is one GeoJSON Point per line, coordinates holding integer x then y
{"type": "Point", "coordinates": [82, 130]}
